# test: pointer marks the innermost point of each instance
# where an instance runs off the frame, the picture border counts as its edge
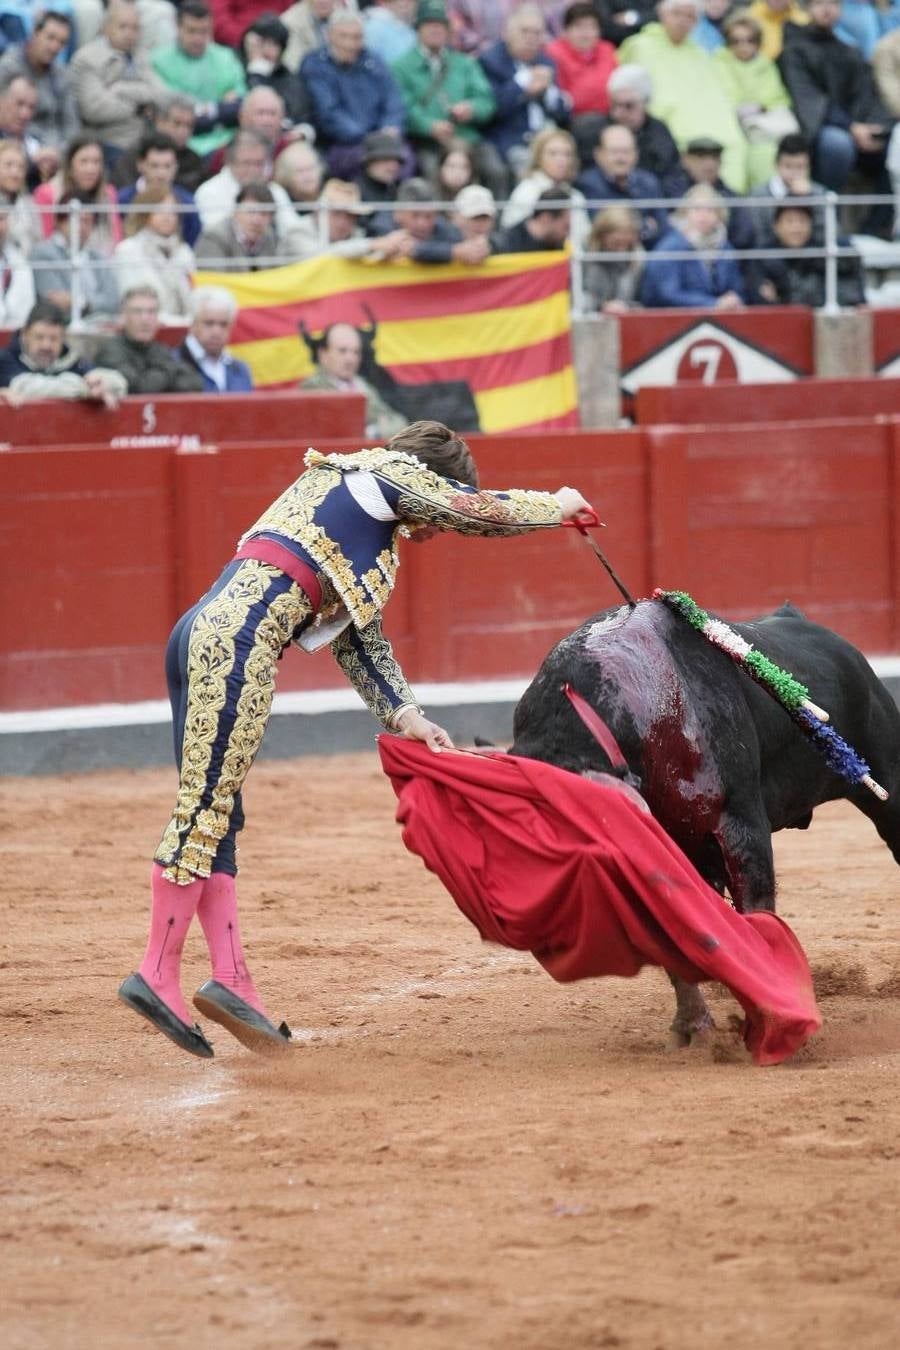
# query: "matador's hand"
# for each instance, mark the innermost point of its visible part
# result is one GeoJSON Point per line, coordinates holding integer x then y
{"type": "Point", "coordinates": [416, 727]}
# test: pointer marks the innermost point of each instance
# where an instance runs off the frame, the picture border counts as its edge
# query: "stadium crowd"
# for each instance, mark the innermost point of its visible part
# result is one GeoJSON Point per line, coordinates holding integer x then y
{"type": "Point", "coordinates": [142, 140]}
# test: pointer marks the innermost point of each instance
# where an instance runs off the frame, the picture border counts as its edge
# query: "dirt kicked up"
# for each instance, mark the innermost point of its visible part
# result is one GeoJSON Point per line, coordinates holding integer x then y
{"type": "Point", "coordinates": [457, 1152]}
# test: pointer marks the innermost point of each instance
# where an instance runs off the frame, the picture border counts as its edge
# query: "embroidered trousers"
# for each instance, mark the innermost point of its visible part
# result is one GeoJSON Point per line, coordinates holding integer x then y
{"type": "Point", "coordinates": [220, 668]}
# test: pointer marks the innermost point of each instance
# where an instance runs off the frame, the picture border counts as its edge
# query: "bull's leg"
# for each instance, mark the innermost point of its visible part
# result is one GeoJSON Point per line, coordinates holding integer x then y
{"type": "Point", "coordinates": [885, 816]}
{"type": "Point", "coordinates": [745, 842]}
{"type": "Point", "coordinates": [745, 838]}
{"type": "Point", "coordinates": [693, 1021]}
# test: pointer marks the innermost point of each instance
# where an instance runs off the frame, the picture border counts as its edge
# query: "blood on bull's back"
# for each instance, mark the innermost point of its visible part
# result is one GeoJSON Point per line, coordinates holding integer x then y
{"type": "Point", "coordinates": [721, 764]}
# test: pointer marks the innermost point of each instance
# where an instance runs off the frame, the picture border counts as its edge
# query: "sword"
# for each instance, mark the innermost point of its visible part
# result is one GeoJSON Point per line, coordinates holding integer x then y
{"type": "Point", "coordinates": [589, 520]}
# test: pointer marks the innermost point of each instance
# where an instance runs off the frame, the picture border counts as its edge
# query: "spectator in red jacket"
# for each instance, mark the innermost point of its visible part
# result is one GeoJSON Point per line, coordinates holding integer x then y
{"type": "Point", "coordinates": [232, 18]}
{"type": "Point", "coordinates": [584, 62]}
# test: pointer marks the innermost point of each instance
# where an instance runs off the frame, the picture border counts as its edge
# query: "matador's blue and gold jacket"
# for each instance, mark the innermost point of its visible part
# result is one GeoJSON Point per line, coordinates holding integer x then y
{"type": "Point", "coordinates": [345, 513]}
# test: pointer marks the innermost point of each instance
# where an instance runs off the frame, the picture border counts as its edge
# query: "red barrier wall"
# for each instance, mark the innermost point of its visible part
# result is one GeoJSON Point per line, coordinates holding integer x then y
{"type": "Point", "coordinates": [165, 419]}
{"type": "Point", "coordinates": [101, 549]}
{"type": "Point", "coordinates": [733, 402]}
{"type": "Point", "coordinates": [747, 517]}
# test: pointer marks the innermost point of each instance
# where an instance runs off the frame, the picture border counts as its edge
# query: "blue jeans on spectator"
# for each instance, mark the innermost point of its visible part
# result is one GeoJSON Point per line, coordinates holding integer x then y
{"type": "Point", "coordinates": [834, 157]}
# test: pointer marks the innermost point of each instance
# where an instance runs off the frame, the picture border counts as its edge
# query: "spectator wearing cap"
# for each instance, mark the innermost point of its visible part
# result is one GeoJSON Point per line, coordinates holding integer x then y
{"type": "Point", "coordinates": [474, 212]}
{"type": "Point", "coordinates": [116, 87]}
{"type": "Point", "coordinates": [149, 366]}
{"type": "Point", "coordinates": [248, 240]}
{"type": "Point", "coordinates": [209, 73]}
{"type": "Point", "coordinates": [447, 94]}
{"type": "Point", "coordinates": [547, 228]}
{"type": "Point", "coordinates": [17, 292]}
{"type": "Point", "coordinates": [156, 162]}
{"type": "Point", "coordinates": [583, 60]}
{"type": "Point", "coordinates": [384, 155]}
{"type": "Point", "coordinates": [709, 280]}
{"type": "Point", "coordinates": [687, 92]}
{"type": "Point", "coordinates": [800, 280]}
{"type": "Point", "coordinates": [701, 164]}
{"type": "Point", "coordinates": [80, 282]}
{"type": "Point", "coordinates": [523, 81]}
{"type": "Point", "coordinates": [213, 312]}
{"type": "Point", "coordinates": [390, 32]}
{"type": "Point", "coordinates": [55, 119]}
{"type": "Point", "coordinates": [416, 229]}
{"type": "Point", "coordinates": [247, 160]}
{"type": "Point", "coordinates": [338, 361]}
{"type": "Point", "coordinates": [353, 93]}
{"type": "Point", "coordinates": [262, 50]}
{"type": "Point", "coordinates": [335, 227]}
{"type": "Point", "coordinates": [37, 364]}
{"type": "Point", "coordinates": [615, 177]}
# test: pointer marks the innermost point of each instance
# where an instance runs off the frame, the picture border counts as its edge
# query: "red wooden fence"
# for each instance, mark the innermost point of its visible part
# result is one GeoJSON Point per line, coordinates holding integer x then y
{"type": "Point", "coordinates": [100, 549]}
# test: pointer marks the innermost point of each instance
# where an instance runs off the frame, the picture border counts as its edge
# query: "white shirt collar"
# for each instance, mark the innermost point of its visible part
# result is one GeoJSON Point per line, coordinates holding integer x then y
{"type": "Point", "coordinates": [213, 366]}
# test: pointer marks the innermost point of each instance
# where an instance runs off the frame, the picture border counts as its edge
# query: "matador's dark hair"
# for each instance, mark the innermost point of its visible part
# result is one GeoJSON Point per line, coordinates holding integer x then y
{"type": "Point", "coordinates": [439, 449]}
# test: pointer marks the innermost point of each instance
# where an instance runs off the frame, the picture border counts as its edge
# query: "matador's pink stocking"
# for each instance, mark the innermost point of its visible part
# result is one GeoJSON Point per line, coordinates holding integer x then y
{"type": "Point", "coordinates": [218, 916]}
{"type": "Point", "coordinates": [172, 909]}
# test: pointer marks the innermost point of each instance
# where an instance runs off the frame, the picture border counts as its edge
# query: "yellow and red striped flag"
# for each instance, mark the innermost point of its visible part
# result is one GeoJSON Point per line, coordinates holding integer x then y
{"type": "Point", "coordinates": [503, 327]}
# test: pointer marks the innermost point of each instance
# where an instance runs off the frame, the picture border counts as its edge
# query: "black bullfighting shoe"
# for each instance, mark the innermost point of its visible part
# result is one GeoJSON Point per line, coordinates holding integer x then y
{"type": "Point", "coordinates": [250, 1027]}
{"type": "Point", "coordinates": [136, 992]}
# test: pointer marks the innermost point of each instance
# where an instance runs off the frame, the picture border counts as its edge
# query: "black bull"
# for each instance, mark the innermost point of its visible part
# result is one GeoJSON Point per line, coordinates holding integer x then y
{"type": "Point", "coordinates": [720, 763]}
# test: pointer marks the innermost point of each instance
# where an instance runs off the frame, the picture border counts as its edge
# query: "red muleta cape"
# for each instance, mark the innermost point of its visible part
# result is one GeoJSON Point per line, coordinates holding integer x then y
{"type": "Point", "coordinates": [543, 860]}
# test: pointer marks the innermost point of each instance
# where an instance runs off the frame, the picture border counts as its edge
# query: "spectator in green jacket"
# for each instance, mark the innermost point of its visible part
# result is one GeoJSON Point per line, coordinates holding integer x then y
{"type": "Point", "coordinates": [212, 75]}
{"type": "Point", "coordinates": [755, 87]}
{"type": "Point", "coordinates": [688, 94]}
{"type": "Point", "coordinates": [447, 95]}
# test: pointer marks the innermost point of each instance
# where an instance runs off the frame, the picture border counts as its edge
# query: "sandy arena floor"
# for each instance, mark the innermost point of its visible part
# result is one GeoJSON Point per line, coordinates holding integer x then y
{"type": "Point", "coordinates": [458, 1152]}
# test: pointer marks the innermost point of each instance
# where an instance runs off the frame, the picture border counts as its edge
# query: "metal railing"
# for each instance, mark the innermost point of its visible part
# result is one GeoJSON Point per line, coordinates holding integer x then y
{"type": "Point", "coordinates": [830, 250]}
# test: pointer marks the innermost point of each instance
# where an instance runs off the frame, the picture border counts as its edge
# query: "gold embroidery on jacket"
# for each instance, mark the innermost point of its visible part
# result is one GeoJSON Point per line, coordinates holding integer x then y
{"type": "Point", "coordinates": [425, 498]}
{"type": "Point", "coordinates": [380, 655]}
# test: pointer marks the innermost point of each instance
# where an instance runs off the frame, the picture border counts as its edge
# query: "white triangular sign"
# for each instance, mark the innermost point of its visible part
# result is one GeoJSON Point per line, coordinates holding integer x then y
{"type": "Point", "coordinates": [702, 349]}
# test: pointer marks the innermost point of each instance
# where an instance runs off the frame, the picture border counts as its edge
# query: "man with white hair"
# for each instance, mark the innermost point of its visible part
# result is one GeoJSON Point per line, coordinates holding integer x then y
{"type": "Point", "coordinates": [353, 93]}
{"type": "Point", "coordinates": [213, 312]}
{"type": "Point", "coordinates": [687, 91]}
{"type": "Point", "coordinates": [630, 91]}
